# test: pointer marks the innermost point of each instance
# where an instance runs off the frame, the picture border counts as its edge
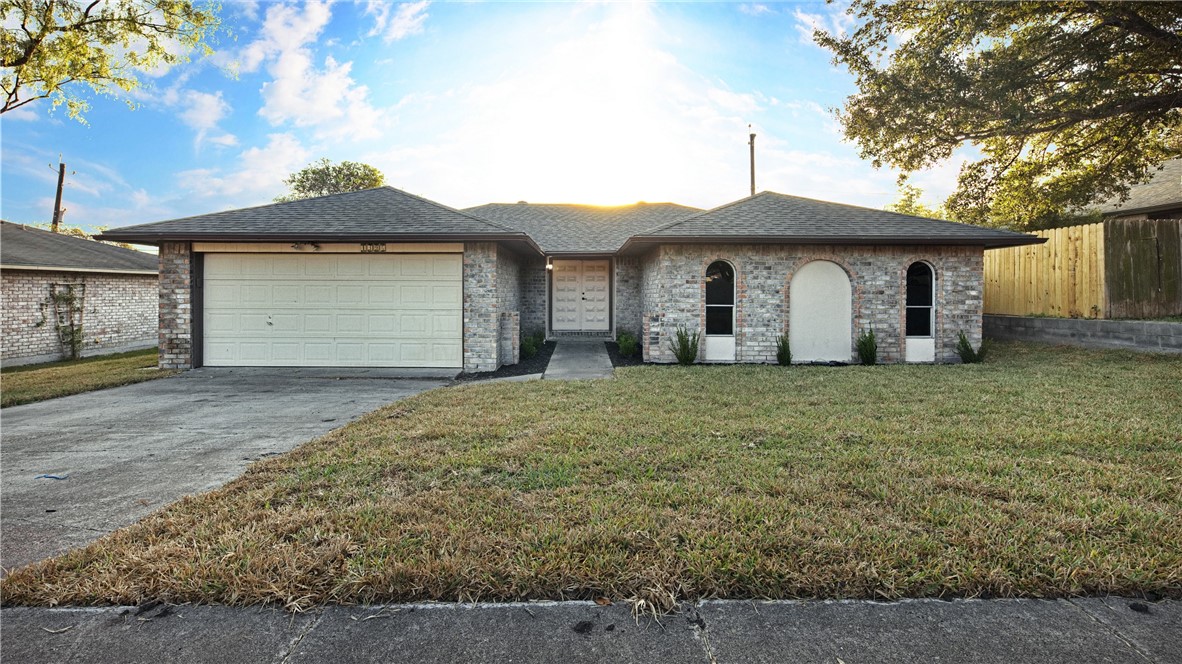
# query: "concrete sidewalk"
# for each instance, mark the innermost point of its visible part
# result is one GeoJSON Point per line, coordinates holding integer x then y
{"type": "Point", "coordinates": [1077, 630]}
{"type": "Point", "coordinates": [579, 359]}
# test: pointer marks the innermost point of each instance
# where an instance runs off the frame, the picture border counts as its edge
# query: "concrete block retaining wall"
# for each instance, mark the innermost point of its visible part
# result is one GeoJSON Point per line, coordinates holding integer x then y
{"type": "Point", "coordinates": [1155, 336]}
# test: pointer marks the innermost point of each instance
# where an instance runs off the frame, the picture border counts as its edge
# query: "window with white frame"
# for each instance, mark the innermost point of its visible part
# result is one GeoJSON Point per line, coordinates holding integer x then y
{"type": "Point", "coordinates": [720, 299]}
{"type": "Point", "coordinates": [921, 300]}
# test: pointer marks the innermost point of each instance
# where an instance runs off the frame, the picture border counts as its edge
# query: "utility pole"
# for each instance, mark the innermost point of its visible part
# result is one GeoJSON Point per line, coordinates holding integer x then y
{"type": "Point", "coordinates": [752, 144]}
{"type": "Point", "coordinates": [57, 203]}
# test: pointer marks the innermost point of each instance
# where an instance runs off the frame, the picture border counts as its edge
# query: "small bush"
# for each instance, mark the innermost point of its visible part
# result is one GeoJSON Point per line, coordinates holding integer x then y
{"type": "Point", "coordinates": [627, 343]}
{"type": "Point", "coordinates": [783, 350]}
{"type": "Point", "coordinates": [868, 347]}
{"type": "Point", "coordinates": [684, 345]}
{"type": "Point", "coordinates": [528, 348]}
{"type": "Point", "coordinates": [965, 350]}
{"type": "Point", "coordinates": [532, 343]}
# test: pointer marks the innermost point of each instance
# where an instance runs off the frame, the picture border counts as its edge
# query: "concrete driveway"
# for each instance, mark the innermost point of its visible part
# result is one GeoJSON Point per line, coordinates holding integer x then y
{"type": "Point", "coordinates": [128, 451]}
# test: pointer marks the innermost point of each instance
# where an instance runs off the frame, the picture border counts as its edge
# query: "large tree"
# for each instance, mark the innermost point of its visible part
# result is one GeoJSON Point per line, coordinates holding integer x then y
{"type": "Point", "coordinates": [51, 48]}
{"type": "Point", "coordinates": [322, 177]}
{"type": "Point", "coordinates": [1067, 103]}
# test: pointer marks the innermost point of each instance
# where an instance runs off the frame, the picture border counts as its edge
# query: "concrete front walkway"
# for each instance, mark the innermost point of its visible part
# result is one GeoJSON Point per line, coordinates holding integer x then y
{"type": "Point", "coordinates": [1048, 632]}
{"type": "Point", "coordinates": [578, 359]}
{"type": "Point", "coordinates": [127, 451]}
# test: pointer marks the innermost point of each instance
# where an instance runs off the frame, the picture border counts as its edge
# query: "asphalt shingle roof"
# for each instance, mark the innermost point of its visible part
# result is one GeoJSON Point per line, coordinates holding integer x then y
{"type": "Point", "coordinates": [568, 228]}
{"type": "Point", "coordinates": [769, 216]}
{"type": "Point", "coordinates": [23, 246]}
{"type": "Point", "coordinates": [1164, 190]}
{"type": "Point", "coordinates": [378, 214]}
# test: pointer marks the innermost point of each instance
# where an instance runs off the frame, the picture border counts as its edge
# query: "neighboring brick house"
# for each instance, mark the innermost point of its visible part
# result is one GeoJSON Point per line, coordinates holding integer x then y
{"type": "Point", "coordinates": [114, 292]}
{"type": "Point", "coordinates": [385, 278]}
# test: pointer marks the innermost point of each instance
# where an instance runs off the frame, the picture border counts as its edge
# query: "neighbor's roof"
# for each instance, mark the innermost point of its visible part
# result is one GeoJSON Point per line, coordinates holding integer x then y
{"type": "Point", "coordinates": [562, 228]}
{"type": "Point", "coordinates": [381, 214]}
{"type": "Point", "coordinates": [1162, 192]}
{"type": "Point", "coordinates": [24, 247]}
{"type": "Point", "coordinates": [772, 217]}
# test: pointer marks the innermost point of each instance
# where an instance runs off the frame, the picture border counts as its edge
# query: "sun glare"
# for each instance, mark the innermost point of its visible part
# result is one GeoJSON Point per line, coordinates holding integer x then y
{"type": "Point", "coordinates": [589, 123]}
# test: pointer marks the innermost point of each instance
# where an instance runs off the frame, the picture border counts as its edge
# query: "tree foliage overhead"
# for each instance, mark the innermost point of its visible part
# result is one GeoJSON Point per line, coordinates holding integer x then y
{"type": "Point", "coordinates": [1068, 103]}
{"type": "Point", "coordinates": [322, 177]}
{"type": "Point", "coordinates": [48, 45]}
{"type": "Point", "coordinates": [909, 202]}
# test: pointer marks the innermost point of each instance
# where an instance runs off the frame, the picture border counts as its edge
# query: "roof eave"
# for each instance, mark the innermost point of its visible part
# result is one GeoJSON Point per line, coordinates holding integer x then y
{"type": "Point", "coordinates": [74, 268]}
{"type": "Point", "coordinates": [155, 239]}
{"type": "Point", "coordinates": [988, 243]}
{"type": "Point", "coordinates": [1146, 209]}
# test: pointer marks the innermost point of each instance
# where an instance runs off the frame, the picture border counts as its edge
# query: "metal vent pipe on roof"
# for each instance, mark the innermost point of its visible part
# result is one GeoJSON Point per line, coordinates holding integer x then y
{"type": "Point", "coordinates": [752, 144]}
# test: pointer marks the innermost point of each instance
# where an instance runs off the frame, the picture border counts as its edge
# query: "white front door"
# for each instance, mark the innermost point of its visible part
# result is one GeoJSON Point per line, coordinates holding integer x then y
{"type": "Point", "coordinates": [580, 295]}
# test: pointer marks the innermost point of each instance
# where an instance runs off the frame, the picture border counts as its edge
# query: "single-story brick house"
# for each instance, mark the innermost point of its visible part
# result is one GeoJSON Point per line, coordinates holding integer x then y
{"type": "Point", "coordinates": [385, 278]}
{"type": "Point", "coordinates": [114, 294]}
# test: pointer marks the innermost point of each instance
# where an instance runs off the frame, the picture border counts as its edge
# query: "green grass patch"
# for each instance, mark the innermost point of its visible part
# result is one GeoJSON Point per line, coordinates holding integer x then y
{"type": "Point", "coordinates": [38, 382]}
{"type": "Point", "coordinates": [1043, 472]}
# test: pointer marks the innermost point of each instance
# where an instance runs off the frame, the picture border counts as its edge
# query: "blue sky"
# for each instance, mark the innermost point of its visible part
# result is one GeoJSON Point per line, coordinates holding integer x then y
{"type": "Point", "coordinates": [465, 103]}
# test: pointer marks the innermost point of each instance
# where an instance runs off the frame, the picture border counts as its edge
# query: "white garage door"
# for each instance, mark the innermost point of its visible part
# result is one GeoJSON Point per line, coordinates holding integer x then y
{"type": "Point", "coordinates": [333, 310]}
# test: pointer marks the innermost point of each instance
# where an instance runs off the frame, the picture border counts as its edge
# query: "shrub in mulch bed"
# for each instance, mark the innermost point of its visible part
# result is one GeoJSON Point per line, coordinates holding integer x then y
{"type": "Point", "coordinates": [613, 351]}
{"type": "Point", "coordinates": [526, 366]}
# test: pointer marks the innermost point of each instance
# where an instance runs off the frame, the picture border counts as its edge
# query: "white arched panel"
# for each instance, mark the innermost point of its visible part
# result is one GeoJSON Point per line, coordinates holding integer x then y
{"type": "Point", "coordinates": [820, 313]}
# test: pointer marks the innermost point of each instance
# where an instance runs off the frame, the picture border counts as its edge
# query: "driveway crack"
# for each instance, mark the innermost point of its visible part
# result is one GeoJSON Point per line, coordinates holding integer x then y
{"type": "Point", "coordinates": [295, 641]}
{"type": "Point", "coordinates": [1112, 630]}
{"type": "Point", "coordinates": [698, 625]}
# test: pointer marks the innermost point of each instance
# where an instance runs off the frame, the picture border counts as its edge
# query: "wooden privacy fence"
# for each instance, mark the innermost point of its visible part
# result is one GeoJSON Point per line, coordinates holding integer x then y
{"type": "Point", "coordinates": [1113, 269]}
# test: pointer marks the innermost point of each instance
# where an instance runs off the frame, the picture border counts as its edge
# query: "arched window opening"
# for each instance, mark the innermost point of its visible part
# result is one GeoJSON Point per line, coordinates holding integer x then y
{"type": "Point", "coordinates": [921, 301]}
{"type": "Point", "coordinates": [720, 299]}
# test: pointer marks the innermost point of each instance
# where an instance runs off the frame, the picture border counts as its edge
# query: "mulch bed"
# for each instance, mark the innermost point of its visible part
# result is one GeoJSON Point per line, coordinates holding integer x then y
{"type": "Point", "coordinates": [534, 365]}
{"type": "Point", "coordinates": [613, 351]}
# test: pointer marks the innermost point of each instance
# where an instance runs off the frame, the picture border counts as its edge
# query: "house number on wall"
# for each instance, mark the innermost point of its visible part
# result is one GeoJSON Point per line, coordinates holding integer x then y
{"type": "Point", "coordinates": [373, 247]}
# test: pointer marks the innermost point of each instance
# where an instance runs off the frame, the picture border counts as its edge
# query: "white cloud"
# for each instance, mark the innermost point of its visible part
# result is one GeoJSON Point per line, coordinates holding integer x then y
{"type": "Point", "coordinates": [755, 9]}
{"type": "Point", "coordinates": [257, 177]}
{"type": "Point", "coordinates": [24, 114]}
{"type": "Point", "coordinates": [835, 21]}
{"type": "Point", "coordinates": [394, 24]}
{"type": "Point", "coordinates": [224, 140]}
{"type": "Point", "coordinates": [300, 93]}
{"type": "Point", "coordinates": [202, 111]}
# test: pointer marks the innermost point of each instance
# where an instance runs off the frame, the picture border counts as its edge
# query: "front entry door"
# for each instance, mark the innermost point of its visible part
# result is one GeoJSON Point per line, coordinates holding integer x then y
{"type": "Point", "coordinates": [581, 295]}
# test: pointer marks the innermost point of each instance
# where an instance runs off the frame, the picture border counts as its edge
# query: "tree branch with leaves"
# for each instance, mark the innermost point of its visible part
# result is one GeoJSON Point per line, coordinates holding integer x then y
{"type": "Point", "coordinates": [49, 46]}
{"type": "Point", "coordinates": [322, 177]}
{"type": "Point", "coordinates": [1069, 103]}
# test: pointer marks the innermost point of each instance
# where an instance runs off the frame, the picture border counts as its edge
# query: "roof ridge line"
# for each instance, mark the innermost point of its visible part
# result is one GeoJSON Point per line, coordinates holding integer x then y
{"type": "Point", "coordinates": [456, 210]}
{"type": "Point", "coordinates": [699, 213]}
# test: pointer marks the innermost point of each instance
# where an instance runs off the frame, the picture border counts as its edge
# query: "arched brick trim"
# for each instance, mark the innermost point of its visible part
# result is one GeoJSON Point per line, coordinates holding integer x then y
{"type": "Point", "coordinates": [740, 296]}
{"type": "Point", "coordinates": [856, 289]}
{"type": "Point", "coordinates": [938, 268]}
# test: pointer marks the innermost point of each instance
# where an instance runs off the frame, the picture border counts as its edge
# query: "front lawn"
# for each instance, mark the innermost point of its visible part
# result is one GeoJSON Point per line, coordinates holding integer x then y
{"type": "Point", "coordinates": [38, 382]}
{"type": "Point", "coordinates": [1044, 472]}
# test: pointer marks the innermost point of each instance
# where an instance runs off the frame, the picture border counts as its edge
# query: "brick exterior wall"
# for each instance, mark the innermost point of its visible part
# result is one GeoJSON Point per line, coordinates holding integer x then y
{"type": "Point", "coordinates": [510, 337]}
{"type": "Point", "coordinates": [509, 304]}
{"type": "Point", "coordinates": [481, 301]}
{"type": "Point", "coordinates": [672, 293]}
{"type": "Point", "coordinates": [119, 313]}
{"type": "Point", "coordinates": [628, 287]}
{"type": "Point", "coordinates": [535, 298]}
{"type": "Point", "coordinates": [176, 306]}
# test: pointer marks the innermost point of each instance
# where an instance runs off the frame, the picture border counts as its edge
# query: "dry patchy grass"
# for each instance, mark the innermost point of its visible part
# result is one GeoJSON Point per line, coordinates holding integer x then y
{"type": "Point", "coordinates": [1044, 472]}
{"type": "Point", "coordinates": [38, 382]}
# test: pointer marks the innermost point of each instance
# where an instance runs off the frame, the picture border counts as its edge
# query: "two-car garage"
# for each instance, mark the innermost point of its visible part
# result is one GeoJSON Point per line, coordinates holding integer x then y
{"type": "Point", "coordinates": [311, 309]}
